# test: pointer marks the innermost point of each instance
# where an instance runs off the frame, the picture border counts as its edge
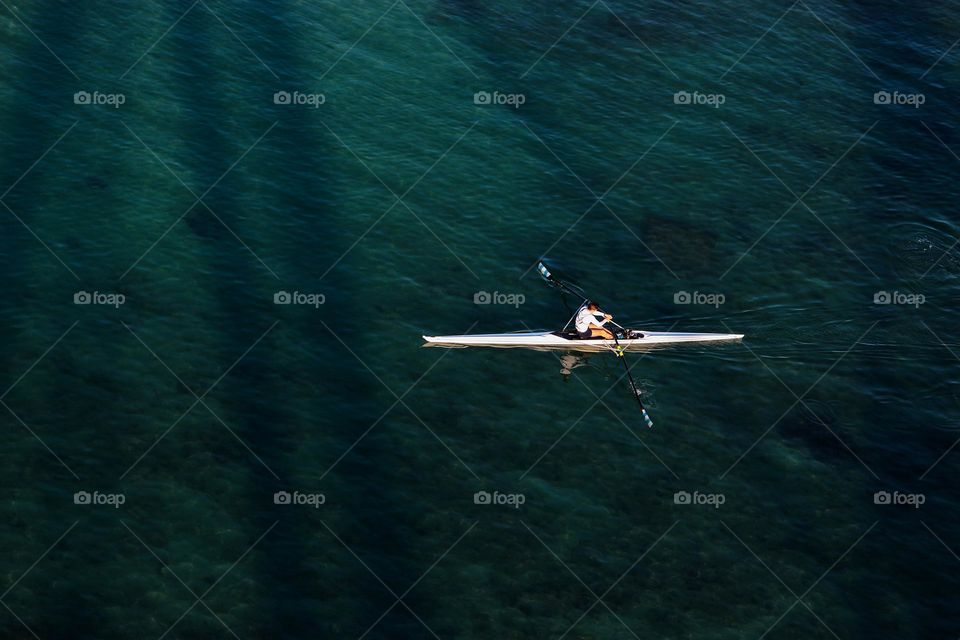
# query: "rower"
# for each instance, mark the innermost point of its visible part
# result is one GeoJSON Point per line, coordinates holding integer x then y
{"type": "Point", "coordinates": [588, 324]}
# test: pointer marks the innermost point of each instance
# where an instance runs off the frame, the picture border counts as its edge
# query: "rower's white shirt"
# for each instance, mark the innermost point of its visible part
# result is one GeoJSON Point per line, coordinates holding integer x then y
{"type": "Point", "coordinates": [585, 318]}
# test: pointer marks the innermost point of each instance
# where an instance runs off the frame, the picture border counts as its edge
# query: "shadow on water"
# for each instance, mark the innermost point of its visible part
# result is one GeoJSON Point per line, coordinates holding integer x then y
{"type": "Point", "coordinates": [814, 425]}
{"type": "Point", "coordinates": [915, 187]}
{"type": "Point", "coordinates": [294, 563]}
{"type": "Point", "coordinates": [40, 113]}
{"type": "Point", "coordinates": [253, 391]}
{"type": "Point", "coordinates": [912, 188]}
{"type": "Point", "coordinates": [511, 46]}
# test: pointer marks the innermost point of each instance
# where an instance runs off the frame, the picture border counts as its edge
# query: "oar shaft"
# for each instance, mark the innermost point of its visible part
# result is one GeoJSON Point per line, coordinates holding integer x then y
{"type": "Point", "coordinates": [577, 291]}
{"type": "Point", "coordinates": [633, 385]}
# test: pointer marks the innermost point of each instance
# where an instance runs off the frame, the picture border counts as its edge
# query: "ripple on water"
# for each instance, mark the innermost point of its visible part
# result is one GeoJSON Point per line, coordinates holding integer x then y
{"type": "Point", "coordinates": [921, 250]}
{"type": "Point", "coordinates": [834, 336]}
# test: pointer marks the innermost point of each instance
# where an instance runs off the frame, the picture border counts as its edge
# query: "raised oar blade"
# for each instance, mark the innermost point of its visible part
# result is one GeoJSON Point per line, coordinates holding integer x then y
{"type": "Point", "coordinates": [545, 273]}
{"type": "Point", "coordinates": [564, 286]}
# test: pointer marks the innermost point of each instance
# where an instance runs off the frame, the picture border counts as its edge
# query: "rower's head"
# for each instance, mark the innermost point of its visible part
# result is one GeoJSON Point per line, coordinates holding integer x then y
{"type": "Point", "coordinates": [593, 306]}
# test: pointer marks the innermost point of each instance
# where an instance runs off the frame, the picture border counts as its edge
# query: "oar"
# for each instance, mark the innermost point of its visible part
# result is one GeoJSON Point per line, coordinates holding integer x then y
{"type": "Point", "coordinates": [566, 287]}
{"type": "Point", "coordinates": [575, 290]}
{"type": "Point", "coordinates": [633, 385]}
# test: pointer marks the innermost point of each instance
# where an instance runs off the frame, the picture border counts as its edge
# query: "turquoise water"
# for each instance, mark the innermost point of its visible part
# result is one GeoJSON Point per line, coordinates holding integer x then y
{"type": "Point", "coordinates": [342, 400]}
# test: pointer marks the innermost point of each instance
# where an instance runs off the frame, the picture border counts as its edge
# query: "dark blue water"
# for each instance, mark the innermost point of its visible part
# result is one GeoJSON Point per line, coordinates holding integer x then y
{"type": "Point", "coordinates": [184, 457]}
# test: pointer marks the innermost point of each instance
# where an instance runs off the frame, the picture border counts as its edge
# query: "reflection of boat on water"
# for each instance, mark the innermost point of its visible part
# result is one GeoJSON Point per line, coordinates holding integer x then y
{"type": "Point", "coordinates": [571, 361]}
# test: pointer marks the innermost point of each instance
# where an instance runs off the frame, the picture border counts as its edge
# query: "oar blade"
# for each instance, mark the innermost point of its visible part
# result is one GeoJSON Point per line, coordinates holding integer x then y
{"type": "Point", "coordinates": [544, 272]}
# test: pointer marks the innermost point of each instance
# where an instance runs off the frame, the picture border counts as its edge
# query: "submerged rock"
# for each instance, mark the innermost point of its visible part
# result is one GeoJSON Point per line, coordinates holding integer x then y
{"type": "Point", "coordinates": [683, 246]}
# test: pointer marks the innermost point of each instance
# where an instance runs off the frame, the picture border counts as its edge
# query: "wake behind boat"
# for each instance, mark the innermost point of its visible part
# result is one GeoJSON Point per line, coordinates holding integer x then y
{"type": "Point", "coordinates": [570, 340]}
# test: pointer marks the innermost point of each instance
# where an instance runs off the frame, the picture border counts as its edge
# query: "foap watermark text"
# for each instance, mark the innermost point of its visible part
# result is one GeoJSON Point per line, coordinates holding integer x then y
{"type": "Point", "coordinates": [699, 499]}
{"type": "Point", "coordinates": [511, 299]}
{"type": "Point", "coordinates": [485, 98]}
{"type": "Point", "coordinates": [496, 498]}
{"type": "Point", "coordinates": [96, 98]}
{"type": "Point", "coordinates": [99, 499]}
{"type": "Point", "coordinates": [699, 297]}
{"type": "Point", "coordinates": [299, 499]}
{"type": "Point", "coordinates": [695, 97]}
{"type": "Point", "coordinates": [296, 297]}
{"type": "Point", "coordinates": [98, 297]}
{"type": "Point", "coordinates": [898, 498]}
{"type": "Point", "coordinates": [914, 100]}
{"type": "Point", "coordinates": [298, 99]}
{"type": "Point", "coordinates": [899, 297]}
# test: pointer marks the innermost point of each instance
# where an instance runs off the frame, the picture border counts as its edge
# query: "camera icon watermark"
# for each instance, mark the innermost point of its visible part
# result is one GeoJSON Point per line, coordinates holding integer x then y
{"type": "Point", "coordinates": [696, 98]}
{"type": "Point", "coordinates": [96, 98]}
{"type": "Point", "coordinates": [914, 100]}
{"type": "Point", "coordinates": [915, 500]}
{"type": "Point", "coordinates": [306, 299]}
{"type": "Point", "coordinates": [486, 98]}
{"type": "Point", "coordinates": [96, 498]}
{"type": "Point", "coordinates": [714, 500]}
{"type": "Point", "coordinates": [697, 297]}
{"type": "Point", "coordinates": [114, 300]}
{"type": "Point", "coordinates": [899, 297]}
{"type": "Point", "coordinates": [286, 98]}
{"type": "Point", "coordinates": [515, 500]}
{"type": "Point", "coordinates": [297, 498]}
{"type": "Point", "coordinates": [510, 299]}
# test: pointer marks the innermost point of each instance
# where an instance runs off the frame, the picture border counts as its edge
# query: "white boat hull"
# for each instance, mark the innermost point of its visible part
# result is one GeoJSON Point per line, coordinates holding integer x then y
{"type": "Point", "coordinates": [548, 340]}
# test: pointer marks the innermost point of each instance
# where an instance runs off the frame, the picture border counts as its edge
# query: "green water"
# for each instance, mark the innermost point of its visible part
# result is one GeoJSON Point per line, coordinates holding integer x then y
{"type": "Point", "coordinates": [197, 399]}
